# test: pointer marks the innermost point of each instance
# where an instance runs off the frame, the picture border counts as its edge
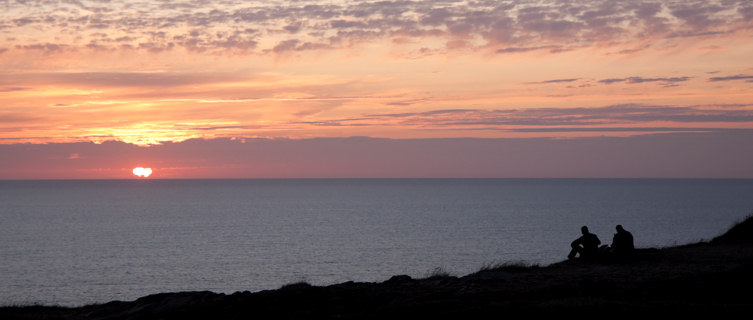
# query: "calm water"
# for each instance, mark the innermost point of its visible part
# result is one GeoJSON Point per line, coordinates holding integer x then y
{"type": "Point", "coordinates": [80, 242]}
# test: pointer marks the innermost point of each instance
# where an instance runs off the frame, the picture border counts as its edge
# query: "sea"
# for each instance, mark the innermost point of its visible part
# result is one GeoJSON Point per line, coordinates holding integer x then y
{"type": "Point", "coordinates": [78, 242]}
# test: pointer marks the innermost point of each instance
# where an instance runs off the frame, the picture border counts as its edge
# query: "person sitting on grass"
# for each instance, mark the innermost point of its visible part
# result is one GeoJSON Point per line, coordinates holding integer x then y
{"type": "Point", "coordinates": [622, 242]}
{"type": "Point", "coordinates": [587, 246]}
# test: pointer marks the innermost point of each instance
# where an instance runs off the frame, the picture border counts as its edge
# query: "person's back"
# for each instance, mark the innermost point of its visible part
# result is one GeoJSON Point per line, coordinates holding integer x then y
{"type": "Point", "coordinates": [590, 244]}
{"type": "Point", "coordinates": [622, 241]}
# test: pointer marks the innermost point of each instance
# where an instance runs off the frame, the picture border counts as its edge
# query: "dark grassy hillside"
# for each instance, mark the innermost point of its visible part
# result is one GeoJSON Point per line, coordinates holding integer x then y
{"type": "Point", "coordinates": [712, 278]}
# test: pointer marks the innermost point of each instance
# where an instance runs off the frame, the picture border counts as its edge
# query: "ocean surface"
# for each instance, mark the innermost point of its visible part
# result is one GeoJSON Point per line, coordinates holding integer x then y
{"type": "Point", "coordinates": [79, 242]}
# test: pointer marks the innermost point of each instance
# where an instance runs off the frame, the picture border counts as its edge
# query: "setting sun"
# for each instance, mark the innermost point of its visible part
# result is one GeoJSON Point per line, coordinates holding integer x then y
{"type": "Point", "coordinates": [142, 172]}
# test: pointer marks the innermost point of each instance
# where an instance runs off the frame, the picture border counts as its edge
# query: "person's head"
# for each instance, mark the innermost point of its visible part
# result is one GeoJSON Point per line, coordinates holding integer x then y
{"type": "Point", "coordinates": [584, 230]}
{"type": "Point", "coordinates": [619, 228]}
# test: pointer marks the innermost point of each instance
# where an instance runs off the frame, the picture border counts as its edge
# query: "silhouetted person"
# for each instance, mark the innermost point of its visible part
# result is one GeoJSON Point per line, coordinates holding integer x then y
{"type": "Point", "coordinates": [623, 241]}
{"type": "Point", "coordinates": [587, 245]}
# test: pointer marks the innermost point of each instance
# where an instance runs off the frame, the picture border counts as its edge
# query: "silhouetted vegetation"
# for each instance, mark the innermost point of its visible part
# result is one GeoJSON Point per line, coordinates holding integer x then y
{"type": "Point", "coordinates": [741, 232]}
{"type": "Point", "coordinates": [511, 267]}
{"type": "Point", "coordinates": [437, 273]}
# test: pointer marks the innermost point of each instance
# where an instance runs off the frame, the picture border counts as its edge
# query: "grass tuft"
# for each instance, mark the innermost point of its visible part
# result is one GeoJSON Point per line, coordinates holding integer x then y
{"type": "Point", "coordinates": [438, 272]}
{"type": "Point", "coordinates": [511, 267]}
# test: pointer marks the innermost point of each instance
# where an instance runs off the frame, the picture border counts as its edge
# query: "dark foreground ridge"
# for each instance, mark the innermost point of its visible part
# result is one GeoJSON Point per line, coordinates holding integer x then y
{"type": "Point", "coordinates": [707, 278]}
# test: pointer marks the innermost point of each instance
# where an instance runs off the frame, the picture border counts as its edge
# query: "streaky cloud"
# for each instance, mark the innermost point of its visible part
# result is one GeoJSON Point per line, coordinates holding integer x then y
{"type": "Point", "coordinates": [526, 49]}
{"type": "Point", "coordinates": [634, 80]}
{"type": "Point", "coordinates": [555, 81]}
{"type": "Point", "coordinates": [123, 79]}
{"type": "Point", "coordinates": [630, 129]}
{"type": "Point", "coordinates": [629, 115]}
{"type": "Point", "coordinates": [732, 78]}
{"type": "Point", "coordinates": [12, 89]}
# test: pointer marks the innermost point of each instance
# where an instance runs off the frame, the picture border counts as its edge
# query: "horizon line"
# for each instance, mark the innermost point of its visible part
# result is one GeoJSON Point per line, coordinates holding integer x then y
{"type": "Point", "coordinates": [388, 178]}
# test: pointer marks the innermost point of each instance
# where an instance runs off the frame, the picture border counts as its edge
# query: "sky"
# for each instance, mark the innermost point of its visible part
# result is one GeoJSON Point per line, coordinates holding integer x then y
{"type": "Point", "coordinates": [202, 89]}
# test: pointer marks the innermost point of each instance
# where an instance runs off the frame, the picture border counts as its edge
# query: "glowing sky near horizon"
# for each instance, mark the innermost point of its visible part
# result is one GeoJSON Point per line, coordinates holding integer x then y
{"type": "Point", "coordinates": [147, 72]}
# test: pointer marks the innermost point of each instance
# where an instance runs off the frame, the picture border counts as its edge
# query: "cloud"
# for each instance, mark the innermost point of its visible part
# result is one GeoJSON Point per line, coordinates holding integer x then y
{"type": "Point", "coordinates": [526, 49]}
{"type": "Point", "coordinates": [12, 89]}
{"type": "Point", "coordinates": [295, 45]}
{"type": "Point", "coordinates": [555, 81]}
{"type": "Point", "coordinates": [48, 47]}
{"type": "Point", "coordinates": [504, 27]}
{"type": "Point", "coordinates": [699, 15]}
{"type": "Point", "coordinates": [287, 45]}
{"type": "Point", "coordinates": [122, 79]}
{"type": "Point", "coordinates": [17, 118]}
{"type": "Point", "coordinates": [627, 129]}
{"type": "Point", "coordinates": [731, 78]}
{"type": "Point", "coordinates": [634, 80]}
{"type": "Point", "coordinates": [628, 116]}
{"type": "Point", "coordinates": [721, 154]}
